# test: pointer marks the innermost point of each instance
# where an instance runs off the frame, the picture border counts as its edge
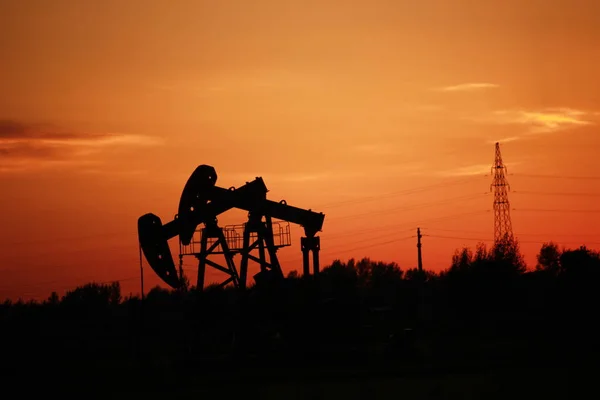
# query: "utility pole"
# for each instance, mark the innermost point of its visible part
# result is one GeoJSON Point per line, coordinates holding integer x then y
{"type": "Point", "coordinates": [420, 259]}
{"type": "Point", "coordinates": [141, 272]}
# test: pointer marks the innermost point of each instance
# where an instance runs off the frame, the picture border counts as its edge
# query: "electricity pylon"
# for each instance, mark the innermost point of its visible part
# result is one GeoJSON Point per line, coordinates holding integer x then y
{"type": "Point", "coordinates": [500, 187]}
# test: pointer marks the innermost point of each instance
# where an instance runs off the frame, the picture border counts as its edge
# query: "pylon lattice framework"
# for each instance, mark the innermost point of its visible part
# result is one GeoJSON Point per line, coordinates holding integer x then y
{"type": "Point", "coordinates": [500, 188]}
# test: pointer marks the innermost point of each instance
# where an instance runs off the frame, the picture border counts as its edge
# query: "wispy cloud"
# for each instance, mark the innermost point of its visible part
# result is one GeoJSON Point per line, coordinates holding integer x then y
{"type": "Point", "coordinates": [276, 176]}
{"type": "Point", "coordinates": [295, 177]}
{"type": "Point", "coordinates": [474, 169]}
{"type": "Point", "coordinates": [469, 170]}
{"type": "Point", "coordinates": [468, 87]}
{"type": "Point", "coordinates": [504, 139]}
{"type": "Point", "coordinates": [546, 120]}
{"type": "Point", "coordinates": [34, 146]}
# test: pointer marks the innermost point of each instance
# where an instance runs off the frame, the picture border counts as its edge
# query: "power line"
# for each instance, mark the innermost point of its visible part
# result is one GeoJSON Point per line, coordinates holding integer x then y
{"type": "Point", "coordinates": [516, 234]}
{"type": "Point", "coordinates": [361, 241]}
{"type": "Point", "coordinates": [490, 240]}
{"type": "Point", "coordinates": [373, 245]}
{"type": "Point", "coordinates": [353, 232]}
{"type": "Point", "coordinates": [387, 227]}
{"type": "Point", "coordinates": [34, 284]}
{"type": "Point", "coordinates": [453, 230]}
{"type": "Point", "coordinates": [565, 210]}
{"type": "Point", "coordinates": [452, 216]}
{"type": "Point", "coordinates": [459, 237]}
{"type": "Point", "coordinates": [71, 238]}
{"type": "Point", "coordinates": [558, 234]}
{"type": "Point", "coordinates": [70, 252]}
{"type": "Point", "coordinates": [94, 249]}
{"type": "Point", "coordinates": [583, 194]}
{"type": "Point", "coordinates": [328, 205]}
{"type": "Point", "coordinates": [393, 226]}
{"type": "Point", "coordinates": [411, 207]}
{"type": "Point", "coordinates": [396, 226]}
{"type": "Point", "coordinates": [128, 233]}
{"type": "Point", "coordinates": [556, 176]}
{"type": "Point", "coordinates": [396, 193]}
{"type": "Point", "coordinates": [378, 243]}
{"type": "Point", "coordinates": [62, 284]}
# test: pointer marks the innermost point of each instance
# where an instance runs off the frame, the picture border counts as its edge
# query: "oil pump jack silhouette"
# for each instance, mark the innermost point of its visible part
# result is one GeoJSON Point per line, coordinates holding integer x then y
{"type": "Point", "coordinates": [200, 203]}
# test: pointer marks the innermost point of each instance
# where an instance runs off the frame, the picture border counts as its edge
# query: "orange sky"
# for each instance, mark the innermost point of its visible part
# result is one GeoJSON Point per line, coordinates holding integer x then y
{"type": "Point", "coordinates": [108, 106]}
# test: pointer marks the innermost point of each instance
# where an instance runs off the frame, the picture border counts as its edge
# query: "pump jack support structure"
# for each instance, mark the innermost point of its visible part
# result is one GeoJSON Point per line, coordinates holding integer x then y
{"type": "Point", "coordinates": [310, 244]}
{"type": "Point", "coordinates": [213, 231]}
{"type": "Point", "coordinates": [264, 241]}
{"type": "Point", "coordinates": [201, 202]}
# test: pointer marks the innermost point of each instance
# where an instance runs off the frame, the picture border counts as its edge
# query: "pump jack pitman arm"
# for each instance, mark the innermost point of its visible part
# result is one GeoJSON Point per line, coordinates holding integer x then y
{"type": "Point", "coordinates": [201, 202]}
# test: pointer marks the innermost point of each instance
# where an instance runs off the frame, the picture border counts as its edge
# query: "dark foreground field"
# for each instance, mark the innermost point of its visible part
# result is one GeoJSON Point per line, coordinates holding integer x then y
{"type": "Point", "coordinates": [484, 329]}
{"type": "Point", "coordinates": [510, 364]}
{"type": "Point", "coordinates": [321, 383]}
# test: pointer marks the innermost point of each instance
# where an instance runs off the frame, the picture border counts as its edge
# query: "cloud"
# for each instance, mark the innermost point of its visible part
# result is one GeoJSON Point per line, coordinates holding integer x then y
{"type": "Point", "coordinates": [544, 121]}
{"type": "Point", "coordinates": [475, 169]}
{"type": "Point", "coordinates": [11, 129]}
{"type": "Point", "coordinates": [504, 140]}
{"type": "Point", "coordinates": [34, 146]}
{"type": "Point", "coordinates": [534, 122]}
{"type": "Point", "coordinates": [468, 87]}
{"type": "Point", "coordinates": [10, 165]}
{"type": "Point", "coordinates": [280, 177]}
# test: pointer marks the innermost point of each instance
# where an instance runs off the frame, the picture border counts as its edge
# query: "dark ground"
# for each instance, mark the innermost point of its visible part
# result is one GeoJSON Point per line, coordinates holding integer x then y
{"type": "Point", "coordinates": [484, 329]}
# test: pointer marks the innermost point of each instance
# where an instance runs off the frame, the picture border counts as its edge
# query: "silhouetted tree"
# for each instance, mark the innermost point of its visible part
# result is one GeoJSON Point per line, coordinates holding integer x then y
{"type": "Point", "coordinates": [580, 263]}
{"type": "Point", "coordinates": [379, 275]}
{"type": "Point", "coordinates": [415, 275]}
{"type": "Point", "coordinates": [339, 277]}
{"type": "Point", "coordinates": [159, 295]}
{"type": "Point", "coordinates": [93, 296]}
{"type": "Point", "coordinates": [506, 254]}
{"type": "Point", "coordinates": [53, 300]}
{"type": "Point", "coordinates": [548, 259]}
{"type": "Point", "coordinates": [185, 284]}
{"type": "Point", "coordinates": [462, 261]}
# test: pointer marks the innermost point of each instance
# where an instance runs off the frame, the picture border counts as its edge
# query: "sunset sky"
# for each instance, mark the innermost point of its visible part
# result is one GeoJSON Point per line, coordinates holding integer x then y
{"type": "Point", "coordinates": [381, 114]}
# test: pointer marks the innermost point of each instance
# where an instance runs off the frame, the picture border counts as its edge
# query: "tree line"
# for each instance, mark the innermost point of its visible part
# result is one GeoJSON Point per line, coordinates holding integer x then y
{"type": "Point", "coordinates": [485, 310]}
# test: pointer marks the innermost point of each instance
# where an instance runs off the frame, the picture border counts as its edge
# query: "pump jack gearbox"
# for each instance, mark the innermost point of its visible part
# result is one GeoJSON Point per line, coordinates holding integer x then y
{"type": "Point", "coordinates": [200, 203]}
